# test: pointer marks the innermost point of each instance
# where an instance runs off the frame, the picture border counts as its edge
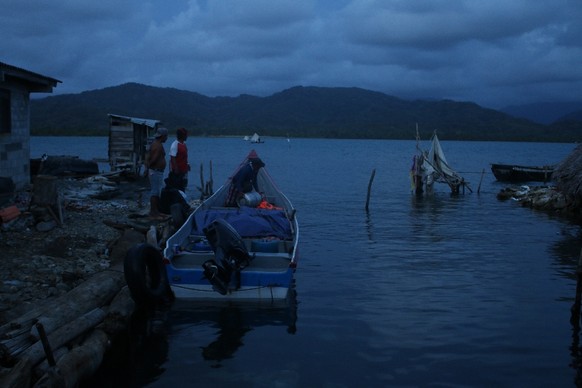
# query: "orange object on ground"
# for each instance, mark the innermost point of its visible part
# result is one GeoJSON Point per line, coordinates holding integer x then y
{"type": "Point", "coordinates": [9, 213]}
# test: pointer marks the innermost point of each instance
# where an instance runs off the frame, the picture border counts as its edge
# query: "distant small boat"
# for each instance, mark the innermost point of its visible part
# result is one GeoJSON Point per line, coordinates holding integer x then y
{"type": "Point", "coordinates": [246, 138]}
{"type": "Point", "coordinates": [516, 173]}
{"type": "Point", "coordinates": [256, 138]}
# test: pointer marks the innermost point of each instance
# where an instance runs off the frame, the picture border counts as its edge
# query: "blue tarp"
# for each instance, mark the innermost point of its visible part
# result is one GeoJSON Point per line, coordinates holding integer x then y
{"type": "Point", "coordinates": [247, 221]}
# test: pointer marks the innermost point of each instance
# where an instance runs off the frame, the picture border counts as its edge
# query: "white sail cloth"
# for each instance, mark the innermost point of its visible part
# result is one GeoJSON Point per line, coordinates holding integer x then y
{"type": "Point", "coordinates": [432, 166]}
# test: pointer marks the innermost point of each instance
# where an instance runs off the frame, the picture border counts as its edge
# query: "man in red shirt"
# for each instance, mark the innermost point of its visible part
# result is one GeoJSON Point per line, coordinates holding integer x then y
{"type": "Point", "coordinates": [179, 166]}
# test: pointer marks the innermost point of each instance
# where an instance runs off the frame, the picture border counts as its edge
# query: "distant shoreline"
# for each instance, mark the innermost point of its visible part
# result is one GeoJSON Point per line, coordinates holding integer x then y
{"type": "Point", "coordinates": [323, 138]}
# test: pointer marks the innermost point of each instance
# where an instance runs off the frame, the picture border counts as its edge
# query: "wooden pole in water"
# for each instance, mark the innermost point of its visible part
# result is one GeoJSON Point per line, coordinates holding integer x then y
{"type": "Point", "coordinates": [370, 188]}
{"type": "Point", "coordinates": [201, 181]}
{"type": "Point", "coordinates": [575, 317]}
{"type": "Point", "coordinates": [211, 181]}
{"type": "Point", "coordinates": [481, 180]}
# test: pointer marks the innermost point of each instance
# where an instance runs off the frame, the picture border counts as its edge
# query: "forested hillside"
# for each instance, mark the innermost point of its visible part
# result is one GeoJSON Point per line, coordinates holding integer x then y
{"type": "Point", "coordinates": [297, 112]}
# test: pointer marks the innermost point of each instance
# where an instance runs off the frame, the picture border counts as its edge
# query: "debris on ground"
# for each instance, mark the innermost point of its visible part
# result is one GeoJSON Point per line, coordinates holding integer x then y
{"type": "Point", "coordinates": [42, 258]}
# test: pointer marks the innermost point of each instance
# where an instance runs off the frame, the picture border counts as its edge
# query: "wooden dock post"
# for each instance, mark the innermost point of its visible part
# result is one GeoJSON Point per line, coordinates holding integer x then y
{"type": "Point", "coordinates": [210, 183]}
{"type": "Point", "coordinates": [45, 344]}
{"type": "Point", "coordinates": [202, 181]}
{"type": "Point", "coordinates": [480, 181]}
{"type": "Point", "coordinates": [206, 187]}
{"type": "Point", "coordinates": [575, 317]}
{"type": "Point", "coordinates": [370, 188]}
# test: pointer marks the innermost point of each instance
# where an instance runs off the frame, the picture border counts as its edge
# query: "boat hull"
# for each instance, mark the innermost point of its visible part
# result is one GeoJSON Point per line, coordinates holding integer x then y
{"type": "Point", "coordinates": [268, 235]}
{"type": "Point", "coordinates": [256, 283]}
{"type": "Point", "coordinates": [516, 173]}
{"type": "Point", "coordinates": [206, 292]}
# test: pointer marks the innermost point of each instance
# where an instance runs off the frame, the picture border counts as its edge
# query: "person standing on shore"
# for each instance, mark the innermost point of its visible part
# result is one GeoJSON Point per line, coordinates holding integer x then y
{"type": "Point", "coordinates": [179, 166]}
{"type": "Point", "coordinates": [155, 167]}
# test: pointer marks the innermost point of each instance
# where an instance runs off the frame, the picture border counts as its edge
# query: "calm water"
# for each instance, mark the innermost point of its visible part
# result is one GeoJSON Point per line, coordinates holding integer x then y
{"type": "Point", "coordinates": [439, 291]}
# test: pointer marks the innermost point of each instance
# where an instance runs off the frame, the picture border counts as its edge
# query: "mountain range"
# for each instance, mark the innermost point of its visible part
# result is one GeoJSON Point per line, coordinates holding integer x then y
{"type": "Point", "coordinates": [319, 112]}
{"type": "Point", "coordinates": [547, 112]}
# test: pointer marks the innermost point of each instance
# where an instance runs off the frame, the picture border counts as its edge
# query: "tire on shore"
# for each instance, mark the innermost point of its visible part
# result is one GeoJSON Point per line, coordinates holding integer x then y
{"type": "Point", "coordinates": [145, 275]}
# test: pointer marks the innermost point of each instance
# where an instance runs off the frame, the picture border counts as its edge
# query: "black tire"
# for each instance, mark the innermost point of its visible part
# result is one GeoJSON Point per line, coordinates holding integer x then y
{"type": "Point", "coordinates": [145, 274]}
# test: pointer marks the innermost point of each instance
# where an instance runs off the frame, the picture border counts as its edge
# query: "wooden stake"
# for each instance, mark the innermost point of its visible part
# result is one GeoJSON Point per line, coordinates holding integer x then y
{"type": "Point", "coordinates": [45, 344]}
{"type": "Point", "coordinates": [481, 180]}
{"type": "Point", "coordinates": [211, 182]}
{"type": "Point", "coordinates": [64, 334]}
{"type": "Point", "coordinates": [370, 188]}
{"type": "Point", "coordinates": [201, 181]}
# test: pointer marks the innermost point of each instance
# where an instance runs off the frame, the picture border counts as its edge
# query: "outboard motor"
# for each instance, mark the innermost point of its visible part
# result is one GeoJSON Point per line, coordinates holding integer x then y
{"type": "Point", "coordinates": [231, 256]}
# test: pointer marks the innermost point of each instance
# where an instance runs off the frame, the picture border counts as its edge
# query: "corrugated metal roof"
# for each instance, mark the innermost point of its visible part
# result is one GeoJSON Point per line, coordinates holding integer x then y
{"type": "Point", "coordinates": [6, 69]}
{"type": "Point", "coordinates": [152, 123]}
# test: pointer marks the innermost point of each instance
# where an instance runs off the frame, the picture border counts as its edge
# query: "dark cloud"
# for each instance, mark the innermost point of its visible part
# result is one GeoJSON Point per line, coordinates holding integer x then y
{"type": "Point", "coordinates": [492, 52]}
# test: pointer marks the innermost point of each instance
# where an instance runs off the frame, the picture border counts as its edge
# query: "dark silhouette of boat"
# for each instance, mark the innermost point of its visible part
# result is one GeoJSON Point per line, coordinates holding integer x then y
{"type": "Point", "coordinates": [516, 173]}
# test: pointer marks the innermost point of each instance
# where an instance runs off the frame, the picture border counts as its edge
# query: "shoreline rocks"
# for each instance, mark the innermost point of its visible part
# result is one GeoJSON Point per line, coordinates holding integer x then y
{"type": "Point", "coordinates": [545, 198]}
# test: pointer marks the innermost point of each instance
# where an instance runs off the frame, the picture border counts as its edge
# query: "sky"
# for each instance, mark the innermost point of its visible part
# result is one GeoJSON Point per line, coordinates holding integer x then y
{"type": "Point", "coordinates": [495, 53]}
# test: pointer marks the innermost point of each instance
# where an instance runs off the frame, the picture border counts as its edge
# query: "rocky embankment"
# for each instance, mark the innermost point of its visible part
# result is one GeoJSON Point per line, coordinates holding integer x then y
{"type": "Point", "coordinates": [545, 198]}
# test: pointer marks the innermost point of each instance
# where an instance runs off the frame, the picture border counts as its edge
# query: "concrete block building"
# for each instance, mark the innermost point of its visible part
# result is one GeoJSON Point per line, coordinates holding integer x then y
{"type": "Point", "coordinates": [16, 85]}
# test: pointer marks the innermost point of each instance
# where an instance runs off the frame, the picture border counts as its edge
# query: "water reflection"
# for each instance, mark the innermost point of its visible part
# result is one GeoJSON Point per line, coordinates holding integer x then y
{"type": "Point", "coordinates": [429, 217]}
{"type": "Point", "coordinates": [424, 211]}
{"type": "Point", "coordinates": [566, 250]}
{"type": "Point", "coordinates": [141, 356]}
{"type": "Point", "coordinates": [575, 349]}
{"type": "Point", "coordinates": [233, 321]}
{"type": "Point", "coordinates": [232, 329]}
{"type": "Point", "coordinates": [432, 205]}
{"type": "Point", "coordinates": [137, 356]}
{"type": "Point", "coordinates": [147, 345]}
{"type": "Point", "coordinates": [369, 226]}
{"type": "Point", "coordinates": [566, 253]}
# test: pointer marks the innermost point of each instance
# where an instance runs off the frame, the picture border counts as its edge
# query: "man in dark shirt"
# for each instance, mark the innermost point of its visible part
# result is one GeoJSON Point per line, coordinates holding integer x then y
{"type": "Point", "coordinates": [244, 181]}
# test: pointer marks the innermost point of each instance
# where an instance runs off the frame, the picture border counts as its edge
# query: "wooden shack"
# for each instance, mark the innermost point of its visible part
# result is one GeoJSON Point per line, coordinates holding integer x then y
{"type": "Point", "coordinates": [129, 140]}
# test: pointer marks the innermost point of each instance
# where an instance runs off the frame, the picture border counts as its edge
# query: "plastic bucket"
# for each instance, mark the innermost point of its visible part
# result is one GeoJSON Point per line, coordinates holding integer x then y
{"type": "Point", "coordinates": [251, 199]}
